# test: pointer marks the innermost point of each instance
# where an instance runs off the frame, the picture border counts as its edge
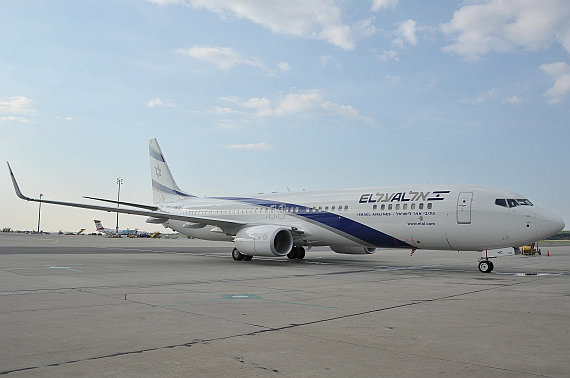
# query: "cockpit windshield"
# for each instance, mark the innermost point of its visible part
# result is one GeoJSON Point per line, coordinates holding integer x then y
{"type": "Point", "coordinates": [511, 202]}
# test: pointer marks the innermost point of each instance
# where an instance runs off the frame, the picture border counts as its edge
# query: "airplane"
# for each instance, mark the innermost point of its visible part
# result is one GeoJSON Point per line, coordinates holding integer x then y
{"type": "Point", "coordinates": [111, 231]}
{"type": "Point", "coordinates": [491, 221]}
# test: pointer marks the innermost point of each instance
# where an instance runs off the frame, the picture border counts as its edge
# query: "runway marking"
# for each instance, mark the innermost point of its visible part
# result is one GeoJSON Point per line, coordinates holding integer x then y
{"type": "Point", "coordinates": [39, 291]}
{"type": "Point", "coordinates": [240, 296]}
{"type": "Point", "coordinates": [63, 267]}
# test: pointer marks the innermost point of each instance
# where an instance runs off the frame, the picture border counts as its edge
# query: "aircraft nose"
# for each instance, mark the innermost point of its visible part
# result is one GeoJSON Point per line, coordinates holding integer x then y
{"type": "Point", "coordinates": [548, 224]}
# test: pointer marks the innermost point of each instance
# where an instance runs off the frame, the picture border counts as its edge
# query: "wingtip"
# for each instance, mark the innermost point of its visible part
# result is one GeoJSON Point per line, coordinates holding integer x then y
{"type": "Point", "coordinates": [16, 187]}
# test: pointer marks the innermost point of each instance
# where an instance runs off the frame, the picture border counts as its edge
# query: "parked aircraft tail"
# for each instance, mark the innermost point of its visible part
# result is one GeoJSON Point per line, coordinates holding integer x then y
{"type": "Point", "coordinates": [164, 188]}
{"type": "Point", "coordinates": [99, 226]}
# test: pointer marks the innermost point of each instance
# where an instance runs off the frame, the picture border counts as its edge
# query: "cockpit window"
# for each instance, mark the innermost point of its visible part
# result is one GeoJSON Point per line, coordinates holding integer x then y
{"type": "Point", "coordinates": [524, 202]}
{"type": "Point", "coordinates": [501, 202]}
{"type": "Point", "coordinates": [512, 202]}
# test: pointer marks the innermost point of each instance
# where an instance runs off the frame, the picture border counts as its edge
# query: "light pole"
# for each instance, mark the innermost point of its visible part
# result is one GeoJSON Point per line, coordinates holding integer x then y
{"type": "Point", "coordinates": [40, 213]}
{"type": "Point", "coordinates": [119, 182]}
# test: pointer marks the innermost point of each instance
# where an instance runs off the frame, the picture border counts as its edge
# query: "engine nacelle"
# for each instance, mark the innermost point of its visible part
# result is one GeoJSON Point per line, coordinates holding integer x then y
{"type": "Point", "coordinates": [265, 240]}
{"type": "Point", "coordinates": [351, 250]}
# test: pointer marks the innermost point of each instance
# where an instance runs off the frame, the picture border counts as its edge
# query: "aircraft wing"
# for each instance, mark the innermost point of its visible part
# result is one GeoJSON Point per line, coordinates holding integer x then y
{"type": "Point", "coordinates": [229, 226]}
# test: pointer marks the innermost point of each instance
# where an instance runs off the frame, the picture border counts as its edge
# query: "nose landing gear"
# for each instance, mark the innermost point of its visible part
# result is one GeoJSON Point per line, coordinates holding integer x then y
{"type": "Point", "coordinates": [485, 266]}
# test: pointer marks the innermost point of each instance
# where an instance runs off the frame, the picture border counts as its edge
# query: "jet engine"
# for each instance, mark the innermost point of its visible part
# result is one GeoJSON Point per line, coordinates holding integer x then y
{"type": "Point", "coordinates": [352, 250]}
{"type": "Point", "coordinates": [265, 240]}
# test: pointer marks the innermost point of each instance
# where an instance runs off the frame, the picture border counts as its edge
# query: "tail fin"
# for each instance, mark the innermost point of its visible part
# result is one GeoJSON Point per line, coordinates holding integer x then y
{"type": "Point", "coordinates": [164, 188]}
{"type": "Point", "coordinates": [99, 225]}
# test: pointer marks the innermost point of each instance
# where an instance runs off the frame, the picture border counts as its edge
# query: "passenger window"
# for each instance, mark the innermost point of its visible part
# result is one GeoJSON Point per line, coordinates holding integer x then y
{"type": "Point", "coordinates": [397, 206]}
{"type": "Point", "coordinates": [383, 207]}
{"type": "Point", "coordinates": [421, 206]}
{"type": "Point", "coordinates": [333, 208]}
{"type": "Point", "coordinates": [413, 206]}
{"type": "Point", "coordinates": [390, 207]}
{"type": "Point", "coordinates": [501, 202]}
{"type": "Point", "coordinates": [512, 202]}
{"type": "Point", "coordinates": [429, 206]}
{"type": "Point", "coordinates": [340, 208]}
{"type": "Point", "coordinates": [374, 207]}
{"type": "Point", "coordinates": [405, 206]}
{"type": "Point", "coordinates": [346, 207]}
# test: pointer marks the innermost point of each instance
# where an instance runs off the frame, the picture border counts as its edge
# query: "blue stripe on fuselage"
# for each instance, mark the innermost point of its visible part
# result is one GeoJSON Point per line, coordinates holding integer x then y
{"type": "Point", "coordinates": [338, 222]}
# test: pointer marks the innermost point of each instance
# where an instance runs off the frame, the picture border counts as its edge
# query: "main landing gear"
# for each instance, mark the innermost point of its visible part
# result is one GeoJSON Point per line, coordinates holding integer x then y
{"type": "Point", "coordinates": [238, 256]}
{"type": "Point", "coordinates": [485, 266]}
{"type": "Point", "coordinates": [296, 253]}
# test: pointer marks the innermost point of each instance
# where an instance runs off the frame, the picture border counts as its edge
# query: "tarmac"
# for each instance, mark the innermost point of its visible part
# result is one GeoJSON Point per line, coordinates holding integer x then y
{"type": "Point", "coordinates": [99, 307]}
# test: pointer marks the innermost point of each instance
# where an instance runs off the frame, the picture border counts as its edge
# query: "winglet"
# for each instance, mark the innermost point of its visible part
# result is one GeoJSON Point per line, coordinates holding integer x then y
{"type": "Point", "coordinates": [16, 187]}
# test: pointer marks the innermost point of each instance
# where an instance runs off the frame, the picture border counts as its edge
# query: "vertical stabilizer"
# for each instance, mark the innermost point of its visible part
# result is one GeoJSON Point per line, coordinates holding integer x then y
{"type": "Point", "coordinates": [99, 226]}
{"type": "Point", "coordinates": [164, 188]}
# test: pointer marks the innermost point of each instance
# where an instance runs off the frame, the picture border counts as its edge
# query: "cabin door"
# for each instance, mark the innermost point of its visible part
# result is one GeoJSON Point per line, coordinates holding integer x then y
{"type": "Point", "coordinates": [464, 207]}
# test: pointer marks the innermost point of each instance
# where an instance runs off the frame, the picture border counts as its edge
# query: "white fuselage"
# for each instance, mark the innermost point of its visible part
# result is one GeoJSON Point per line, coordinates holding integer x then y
{"type": "Point", "coordinates": [448, 217]}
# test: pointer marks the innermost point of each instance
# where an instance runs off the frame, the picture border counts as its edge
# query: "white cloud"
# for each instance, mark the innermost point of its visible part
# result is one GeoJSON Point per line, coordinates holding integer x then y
{"type": "Point", "coordinates": [154, 102]}
{"type": "Point", "coordinates": [365, 27]}
{"type": "Point", "coordinates": [16, 105]}
{"type": "Point", "coordinates": [514, 99]}
{"type": "Point", "coordinates": [383, 4]}
{"type": "Point", "coordinates": [223, 57]}
{"type": "Point", "coordinates": [251, 146]}
{"type": "Point", "coordinates": [311, 102]}
{"type": "Point", "coordinates": [14, 119]}
{"type": "Point", "coordinates": [283, 66]}
{"type": "Point", "coordinates": [262, 105]}
{"type": "Point", "coordinates": [394, 79]}
{"type": "Point", "coordinates": [316, 19]}
{"type": "Point", "coordinates": [508, 25]}
{"type": "Point", "coordinates": [387, 55]}
{"type": "Point", "coordinates": [15, 109]}
{"type": "Point", "coordinates": [64, 118]}
{"type": "Point", "coordinates": [168, 2]}
{"type": "Point", "coordinates": [325, 59]}
{"type": "Point", "coordinates": [483, 97]}
{"type": "Point", "coordinates": [560, 72]}
{"type": "Point", "coordinates": [225, 110]}
{"type": "Point", "coordinates": [406, 32]}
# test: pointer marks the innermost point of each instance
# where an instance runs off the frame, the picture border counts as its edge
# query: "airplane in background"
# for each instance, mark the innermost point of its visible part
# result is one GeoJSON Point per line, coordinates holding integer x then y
{"type": "Point", "coordinates": [491, 221]}
{"type": "Point", "coordinates": [111, 231]}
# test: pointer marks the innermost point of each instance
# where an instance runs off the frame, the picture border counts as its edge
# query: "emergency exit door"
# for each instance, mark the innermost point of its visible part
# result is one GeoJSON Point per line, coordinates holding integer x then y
{"type": "Point", "coordinates": [464, 207]}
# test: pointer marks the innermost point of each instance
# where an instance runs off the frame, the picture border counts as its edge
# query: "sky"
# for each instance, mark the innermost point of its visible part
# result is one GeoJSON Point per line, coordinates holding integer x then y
{"type": "Point", "coordinates": [249, 96]}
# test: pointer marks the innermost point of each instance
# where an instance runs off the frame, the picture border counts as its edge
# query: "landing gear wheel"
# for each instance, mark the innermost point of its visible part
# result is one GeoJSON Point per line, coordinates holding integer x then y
{"type": "Point", "coordinates": [485, 266]}
{"type": "Point", "coordinates": [237, 255]}
{"type": "Point", "coordinates": [296, 253]}
{"type": "Point", "coordinates": [247, 257]}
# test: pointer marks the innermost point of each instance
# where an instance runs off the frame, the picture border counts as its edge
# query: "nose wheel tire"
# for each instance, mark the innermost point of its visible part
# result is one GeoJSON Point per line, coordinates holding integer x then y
{"type": "Point", "coordinates": [485, 266]}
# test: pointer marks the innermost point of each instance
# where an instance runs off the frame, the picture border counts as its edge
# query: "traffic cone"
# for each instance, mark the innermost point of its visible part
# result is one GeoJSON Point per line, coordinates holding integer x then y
{"type": "Point", "coordinates": [548, 252]}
